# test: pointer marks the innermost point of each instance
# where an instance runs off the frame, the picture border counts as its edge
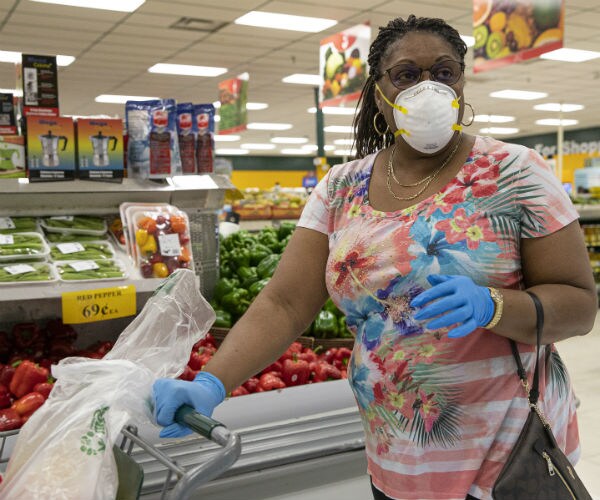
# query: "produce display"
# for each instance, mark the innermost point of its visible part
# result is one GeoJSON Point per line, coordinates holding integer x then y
{"type": "Point", "coordinates": [285, 203]}
{"type": "Point", "coordinates": [70, 238]}
{"type": "Point", "coordinates": [246, 263]}
{"type": "Point", "coordinates": [81, 251]}
{"type": "Point", "coordinates": [20, 273]}
{"type": "Point", "coordinates": [26, 354]}
{"type": "Point", "coordinates": [15, 246]}
{"type": "Point", "coordinates": [298, 365]}
{"type": "Point", "coordinates": [75, 224]}
{"type": "Point", "coordinates": [117, 232]}
{"type": "Point", "coordinates": [90, 270]}
{"type": "Point", "coordinates": [18, 225]}
{"type": "Point", "coordinates": [162, 240]}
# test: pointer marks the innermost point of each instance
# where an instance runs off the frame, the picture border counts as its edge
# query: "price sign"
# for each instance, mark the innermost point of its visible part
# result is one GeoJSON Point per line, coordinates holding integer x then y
{"type": "Point", "coordinates": [100, 304]}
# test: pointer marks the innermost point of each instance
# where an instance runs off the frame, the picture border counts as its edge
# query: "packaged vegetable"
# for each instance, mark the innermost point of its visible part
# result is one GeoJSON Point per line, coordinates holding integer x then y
{"type": "Point", "coordinates": [91, 270]}
{"type": "Point", "coordinates": [75, 224]}
{"type": "Point", "coordinates": [70, 238]}
{"type": "Point", "coordinates": [18, 246]}
{"type": "Point", "coordinates": [18, 225]}
{"type": "Point", "coordinates": [22, 273]}
{"type": "Point", "coordinates": [85, 250]}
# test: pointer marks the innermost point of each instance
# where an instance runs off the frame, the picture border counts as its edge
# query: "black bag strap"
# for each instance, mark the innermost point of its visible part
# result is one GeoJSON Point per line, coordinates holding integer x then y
{"type": "Point", "coordinates": [539, 326]}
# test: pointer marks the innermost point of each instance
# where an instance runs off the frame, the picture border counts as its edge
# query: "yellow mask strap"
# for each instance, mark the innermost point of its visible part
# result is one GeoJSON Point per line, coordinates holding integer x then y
{"type": "Point", "coordinates": [401, 131]}
{"type": "Point", "coordinates": [402, 109]}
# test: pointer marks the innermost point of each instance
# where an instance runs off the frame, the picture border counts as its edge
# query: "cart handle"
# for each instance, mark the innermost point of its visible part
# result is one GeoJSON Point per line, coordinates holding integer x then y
{"type": "Point", "coordinates": [199, 423]}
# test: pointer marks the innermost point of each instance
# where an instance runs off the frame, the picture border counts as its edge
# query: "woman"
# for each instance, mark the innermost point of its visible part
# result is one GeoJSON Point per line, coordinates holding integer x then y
{"type": "Point", "coordinates": [406, 240]}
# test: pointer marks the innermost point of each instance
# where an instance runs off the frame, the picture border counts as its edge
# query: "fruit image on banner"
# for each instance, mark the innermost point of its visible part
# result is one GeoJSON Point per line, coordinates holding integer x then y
{"type": "Point", "coordinates": [510, 31]}
{"type": "Point", "coordinates": [343, 65]}
{"type": "Point", "coordinates": [233, 95]}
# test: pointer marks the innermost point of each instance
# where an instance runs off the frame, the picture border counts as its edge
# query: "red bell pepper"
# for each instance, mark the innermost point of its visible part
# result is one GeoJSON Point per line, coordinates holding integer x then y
{"type": "Point", "coordinates": [341, 358]}
{"type": "Point", "coordinates": [295, 371]}
{"type": "Point", "coordinates": [6, 374]}
{"type": "Point", "coordinates": [308, 355]}
{"type": "Point", "coordinates": [188, 374]}
{"type": "Point", "coordinates": [239, 391]}
{"type": "Point", "coordinates": [26, 376]}
{"type": "Point", "coordinates": [44, 388]}
{"type": "Point", "coordinates": [329, 355]}
{"type": "Point", "coordinates": [9, 420]}
{"type": "Point", "coordinates": [324, 371]}
{"type": "Point", "coordinates": [251, 384]}
{"type": "Point", "coordinates": [195, 362]}
{"type": "Point", "coordinates": [270, 381]}
{"type": "Point", "coordinates": [5, 401]}
{"type": "Point", "coordinates": [276, 366]}
{"type": "Point", "coordinates": [28, 403]}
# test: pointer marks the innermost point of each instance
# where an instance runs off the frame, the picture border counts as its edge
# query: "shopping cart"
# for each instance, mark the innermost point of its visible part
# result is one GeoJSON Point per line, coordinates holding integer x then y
{"type": "Point", "coordinates": [180, 482]}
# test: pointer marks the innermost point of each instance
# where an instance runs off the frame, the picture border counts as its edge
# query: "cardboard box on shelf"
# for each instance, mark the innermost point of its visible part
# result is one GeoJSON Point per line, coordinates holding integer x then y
{"type": "Point", "coordinates": [12, 156]}
{"type": "Point", "coordinates": [39, 78]}
{"type": "Point", "coordinates": [100, 149]}
{"type": "Point", "coordinates": [50, 148]}
{"type": "Point", "coordinates": [8, 122]}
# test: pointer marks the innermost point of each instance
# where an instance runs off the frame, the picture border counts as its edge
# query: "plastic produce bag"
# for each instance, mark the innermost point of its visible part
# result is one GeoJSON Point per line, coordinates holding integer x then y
{"type": "Point", "coordinates": [64, 451]}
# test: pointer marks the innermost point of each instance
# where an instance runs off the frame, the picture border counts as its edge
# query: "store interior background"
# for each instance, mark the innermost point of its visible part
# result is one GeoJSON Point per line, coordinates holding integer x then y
{"type": "Point", "coordinates": [113, 51]}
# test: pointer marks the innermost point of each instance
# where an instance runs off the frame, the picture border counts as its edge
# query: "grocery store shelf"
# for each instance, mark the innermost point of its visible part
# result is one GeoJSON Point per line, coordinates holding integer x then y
{"type": "Point", "coordinates": [101, 198]}
{"type": "Point", "coordinates": [588, 212]}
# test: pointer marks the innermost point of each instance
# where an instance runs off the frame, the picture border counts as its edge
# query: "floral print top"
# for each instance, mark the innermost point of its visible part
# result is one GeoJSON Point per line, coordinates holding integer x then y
{"type": "Point", "coordinates": [440, 415]}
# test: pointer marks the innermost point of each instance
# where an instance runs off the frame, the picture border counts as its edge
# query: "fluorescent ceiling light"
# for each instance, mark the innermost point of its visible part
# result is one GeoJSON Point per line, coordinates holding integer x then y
{"type": "Point", "coordinates": [339, 129]}
{"type": "Point", "coordinates": [524, 95]}
{"type": "Point", "coordinates": [333, 110]}
{"type": "Point", "coordinates": [231, 152]}
{"type": "Point", "coordinates": [343, 142]}
{"type": "Point", "coordinates": [493, 118]}
{"type": "Point", "coordinates": [289, 140]}
{"type": "Point", "coordinates": [14, 92]}
{"type": "Point", "coordinates": [570, 55]}
{"type": "Point", "coordinates": [285, 21]}
{"type": "Point", "coordinates": [269, 126]}
{"type": "Point", "coordinates": [499, 130]}
{"type": "Point", "coordinates": [295, 151]}
{"type": "Point", "coordinates": [303, 79]}
{"type": "Point", "coordinates": [310, 147]}
{"type": "Point", "coordinates": [329, 147]}
{"type": "Point", "coordinates": [255, 106]}
{"type": "Point", "coordinates": [344, 152]}
{"type": "Point", "coordinates": [469, 40]}
{"type": "Point", "coordinates": [555, 122]}
{"type": "Point", "coordinates": [117, 5]}
{"type": "Point", "coordinates": [264, 147]}
{"type": "Point", "coordinates": [122, 99]}
{"type": "Point", "coordinates": [556, 106]}
{"type": "Point", "coordinates": [10, 56]}
{"type": "Point", "coordinates": [226, 138]}
{"type": "Point", "coordinates": [186, 70]}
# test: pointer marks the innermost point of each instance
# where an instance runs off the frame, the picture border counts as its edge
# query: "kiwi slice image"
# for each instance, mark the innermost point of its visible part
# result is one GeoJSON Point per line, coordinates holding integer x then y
{"type": "Point", "coordinates": [494, 45]}
{"type": "Point", "coordinates": [480, 33]}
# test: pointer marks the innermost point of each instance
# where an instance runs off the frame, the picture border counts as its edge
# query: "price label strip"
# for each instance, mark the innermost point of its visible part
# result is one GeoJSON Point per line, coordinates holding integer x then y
{"type": "Point", "coordinates": [87, 306]}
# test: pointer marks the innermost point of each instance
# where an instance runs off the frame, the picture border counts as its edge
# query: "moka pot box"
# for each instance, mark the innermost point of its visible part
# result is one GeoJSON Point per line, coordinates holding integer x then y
{"type": "Point", "coordinates": [100, 149]}
{"type": "Point", "coordinates": [50, 148]}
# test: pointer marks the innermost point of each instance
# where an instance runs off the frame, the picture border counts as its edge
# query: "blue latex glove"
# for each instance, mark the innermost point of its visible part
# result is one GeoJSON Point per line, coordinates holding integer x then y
{"type": "Point", "coordinates": [204, 393]}
{"type": "Point", "coordinates": [459, 300]}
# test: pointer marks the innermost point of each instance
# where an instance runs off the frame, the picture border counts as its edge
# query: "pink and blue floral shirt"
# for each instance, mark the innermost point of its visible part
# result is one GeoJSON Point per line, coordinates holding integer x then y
{"type": "Point", "coordinates": [440, 415]}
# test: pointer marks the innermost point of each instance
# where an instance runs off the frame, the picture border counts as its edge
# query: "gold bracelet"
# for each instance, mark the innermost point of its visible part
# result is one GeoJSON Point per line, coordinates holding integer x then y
{"type": "Point", "coordinates": [498, 307]}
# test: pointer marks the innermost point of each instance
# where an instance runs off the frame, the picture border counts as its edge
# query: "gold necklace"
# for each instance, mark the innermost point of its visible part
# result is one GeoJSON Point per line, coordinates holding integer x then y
{"type": "Point", "coordinates": [428, 180]}
{"type": "Point", "coordinates": [414, 184]}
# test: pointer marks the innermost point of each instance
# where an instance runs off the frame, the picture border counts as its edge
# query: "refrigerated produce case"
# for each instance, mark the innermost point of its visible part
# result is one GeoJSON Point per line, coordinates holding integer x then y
{"type": "Point", "coordinates": [288, 435]}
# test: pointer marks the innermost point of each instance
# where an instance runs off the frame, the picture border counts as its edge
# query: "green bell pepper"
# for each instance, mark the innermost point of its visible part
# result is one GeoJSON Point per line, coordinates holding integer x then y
{"type": "Point", "coordinates": [326, 326]}
{"type": "Point", "coordinates": [285, 229]}
{"type": "Point", "coordinates": [224, 286]}
{"type": "Point", "coordinates": [267, 266]}
{"type": "Point", "coordinates": [223, 319]}
{"type": "Point", "coordinates": [240, 257]}
{"type": "Point", "coordinates": [343, 331]}
{"type": "Point", "coordinates": [236, 302]}
{"type": "Point", "coordinates": [258, 252]}
{"type": "Point", "coordinates": [332, 308]}
{"type": "Point", "coordinates": [247, 276]}
{"type": "Point", "coordinates": [268, 237]}
{"type": "Point", "coordinates": [255, 288]}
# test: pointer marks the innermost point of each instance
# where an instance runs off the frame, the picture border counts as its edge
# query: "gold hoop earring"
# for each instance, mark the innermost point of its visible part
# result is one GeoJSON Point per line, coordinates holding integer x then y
{"type": "Point", "coordinates": [379, 132]}
{"type": "Point", "coordinates": [472, 116]}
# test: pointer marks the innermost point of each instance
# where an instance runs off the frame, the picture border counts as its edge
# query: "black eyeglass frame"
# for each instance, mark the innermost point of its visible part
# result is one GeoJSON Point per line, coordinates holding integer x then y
{"type": "Point", "coordinates": [462, 70]}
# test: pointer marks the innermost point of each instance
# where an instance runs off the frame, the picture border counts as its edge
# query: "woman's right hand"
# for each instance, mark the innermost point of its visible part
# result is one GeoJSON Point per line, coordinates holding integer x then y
{"type": "Point", "coordinates": [204, 393]}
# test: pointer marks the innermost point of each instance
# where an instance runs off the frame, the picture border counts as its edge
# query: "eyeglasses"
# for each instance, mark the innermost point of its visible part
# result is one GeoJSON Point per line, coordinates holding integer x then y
{"type": "Point", "coordinates": [405, 75]}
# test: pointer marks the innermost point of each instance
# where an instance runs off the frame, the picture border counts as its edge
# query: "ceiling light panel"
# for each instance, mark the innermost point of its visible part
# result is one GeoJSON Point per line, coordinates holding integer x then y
{"type": "Point", "coordinates": [571, 55]}
{"type": "Point", "coordinates": [289, 140]}
{"type": "Point", "coordinates": [122, 99]}
{"type": "Point", "coordinates": [295, 151]}
{"type": "Point", "coordinates": [303, 79]}
{"type": "Point", "coordinates": [558, 107]}
{"type": "Point", "coordinates": [499, 130]}
{"type": "Point", "coordinates": [338, 129]}
{"type": "Point", "coordinates": [333, 110]}
{"type": "Point", "coordinates": [230, 151]}
{"type": "Point", "coordinates": [555, 122]}
{"type": "Point", "coordinates": [116, 5]}
{"type": "Point", "coordinates": [269, 126]}
{"type": "Point", "coordinates": [260, 147]}
{"type": "Point", "coordinates": [493, 118]}
{"type": "Point", "coordinates": [524, 95]}
{"type": "Point", "coordinates": [226, 138]}
{"type": "Point", "coordinates": [285, 21]}
{"type": "Point", "coordinates": [187, 70]}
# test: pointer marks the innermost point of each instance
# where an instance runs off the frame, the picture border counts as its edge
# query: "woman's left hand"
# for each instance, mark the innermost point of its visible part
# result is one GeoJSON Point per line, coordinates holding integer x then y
{"type": "Point", "coordinates": [457, 300]}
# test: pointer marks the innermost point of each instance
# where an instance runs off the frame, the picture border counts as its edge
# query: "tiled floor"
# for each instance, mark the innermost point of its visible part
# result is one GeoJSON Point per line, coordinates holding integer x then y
{"type": "Point", "coordinates": [582, 357]}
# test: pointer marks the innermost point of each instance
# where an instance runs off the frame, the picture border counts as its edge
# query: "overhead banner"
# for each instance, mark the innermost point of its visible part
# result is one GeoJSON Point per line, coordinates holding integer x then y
{"type": "Point", "coordinates": [515, 31]}
{"type": "Point", "coordinates": [233, 95]}
{"type": "Point", "coordinates": [343, 65]}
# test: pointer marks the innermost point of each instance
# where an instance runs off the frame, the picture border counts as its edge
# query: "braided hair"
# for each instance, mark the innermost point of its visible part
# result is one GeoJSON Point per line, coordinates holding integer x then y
{"type": "Point", "coordinates": [367, 139]}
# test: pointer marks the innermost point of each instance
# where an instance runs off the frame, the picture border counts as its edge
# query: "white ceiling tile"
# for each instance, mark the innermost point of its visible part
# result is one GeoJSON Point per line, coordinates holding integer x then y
{"type": "Point", "coordinates": [325, 10]}
{"type": "Point", "coordinates": [59, 24]}
{"type": "Point", "coordinates": [227, 11]}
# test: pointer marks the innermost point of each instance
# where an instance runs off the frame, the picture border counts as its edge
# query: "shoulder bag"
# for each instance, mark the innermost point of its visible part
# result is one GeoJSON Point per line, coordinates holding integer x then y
{"type": "Point", "coordinates": [537, 468]}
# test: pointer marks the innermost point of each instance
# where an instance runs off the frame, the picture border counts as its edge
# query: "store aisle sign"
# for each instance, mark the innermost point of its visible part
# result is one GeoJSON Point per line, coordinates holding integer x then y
{"type": "Point", "coordinates": [233, 95]}
{"type": "Point", "coordinates": [343, 65]}
{"type": "Point", "coordinates": [87, 306]}
{"type": "Point", "coordinates": [511, 32]}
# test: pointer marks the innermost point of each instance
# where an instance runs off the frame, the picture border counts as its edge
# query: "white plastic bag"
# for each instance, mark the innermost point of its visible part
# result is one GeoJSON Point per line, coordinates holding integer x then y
{"type": "Point", "coordinates": [64, 451]}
